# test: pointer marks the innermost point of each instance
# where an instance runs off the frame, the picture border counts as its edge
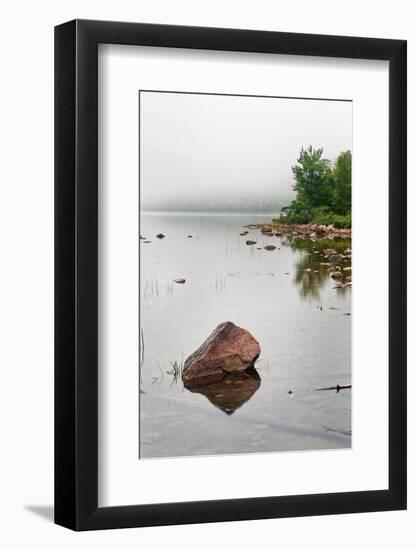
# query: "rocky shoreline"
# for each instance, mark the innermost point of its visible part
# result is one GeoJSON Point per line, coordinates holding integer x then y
{"type": "Point", "coordinates": [337, 262]}
{"type": "Point", "coordinates": [305, 231]}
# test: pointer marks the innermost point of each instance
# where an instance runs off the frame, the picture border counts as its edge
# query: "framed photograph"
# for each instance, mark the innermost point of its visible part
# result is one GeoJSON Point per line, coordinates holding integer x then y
{"type": "Point", "coordinates": [230, 285]}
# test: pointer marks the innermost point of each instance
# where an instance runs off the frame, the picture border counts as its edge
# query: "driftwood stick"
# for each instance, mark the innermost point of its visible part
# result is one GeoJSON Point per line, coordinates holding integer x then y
{"type": "Point", "coordinates": [337, 388]}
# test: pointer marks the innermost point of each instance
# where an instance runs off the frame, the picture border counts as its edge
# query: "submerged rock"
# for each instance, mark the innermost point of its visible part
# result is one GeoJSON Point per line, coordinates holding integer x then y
{"type": "Point", "coordinates": [228, 350]}
{"type": "Point", "coordinates": [179, 280]}
{"type": "Point", "coordinates": [250, 242]}
{"type": "Point", "coordinates": [160, 236]}
{"type": "Point", "coordinates": [270, 247]}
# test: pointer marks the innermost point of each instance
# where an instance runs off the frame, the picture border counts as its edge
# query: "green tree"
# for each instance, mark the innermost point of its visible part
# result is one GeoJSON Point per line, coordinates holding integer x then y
{"type": "Point", "coordinates": [342, 175]}
{"type": "Point", "coordinates": [313, 180]}
{"type": "Point", "coordinates": [323, 194]}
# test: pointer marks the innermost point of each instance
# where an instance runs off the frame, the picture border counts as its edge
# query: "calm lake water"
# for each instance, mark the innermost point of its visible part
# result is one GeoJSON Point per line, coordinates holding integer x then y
{"type": "Point", "coordinates": [300, 319]}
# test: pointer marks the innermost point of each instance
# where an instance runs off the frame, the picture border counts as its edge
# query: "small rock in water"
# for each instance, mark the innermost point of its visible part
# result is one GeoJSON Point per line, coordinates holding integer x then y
{"type": "Point", "coordinates": [250, 242]}
{"type": "Point", "coordinates": [244, 233]}
{"type": "Point", "coordinates": [160, 236]}
{"type": "Point", "coordinates": [228, 350]}
{"type": "Point", "coordinates": [142, 238]}
{"type": "Point", "coordinates": [147, 242]}
{"type": "Point", "coordinates": [189, 236]}
{"type": "Point", "coordinates": [179, 280]}
{"type": "Point", "coordinates": [335, 258]}
{"type": "Point", "coordinates": [269, 247]}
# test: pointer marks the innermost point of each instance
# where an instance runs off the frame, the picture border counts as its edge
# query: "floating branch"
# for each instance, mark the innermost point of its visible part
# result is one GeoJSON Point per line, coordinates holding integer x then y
{"type": "Point", "coordinates": [337, 388]}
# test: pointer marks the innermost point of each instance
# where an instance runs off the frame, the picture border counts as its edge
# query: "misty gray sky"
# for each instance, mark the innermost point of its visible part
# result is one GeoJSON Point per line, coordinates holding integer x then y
{"type": "Point", "coordinates": [228, 153]}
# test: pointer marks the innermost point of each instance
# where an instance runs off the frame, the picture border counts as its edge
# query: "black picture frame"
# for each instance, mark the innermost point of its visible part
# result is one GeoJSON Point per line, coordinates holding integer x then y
{"type": "Point", "coordinates": [76, 272]}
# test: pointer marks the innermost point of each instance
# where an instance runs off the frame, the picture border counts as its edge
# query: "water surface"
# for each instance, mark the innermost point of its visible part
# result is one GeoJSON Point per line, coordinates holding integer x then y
{"type": "Point", "coordinates": [284, 297]}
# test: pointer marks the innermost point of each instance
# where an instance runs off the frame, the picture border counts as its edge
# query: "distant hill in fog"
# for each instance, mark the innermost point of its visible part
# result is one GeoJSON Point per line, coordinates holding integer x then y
{"type": "Point", "coordinates": [222, 204]}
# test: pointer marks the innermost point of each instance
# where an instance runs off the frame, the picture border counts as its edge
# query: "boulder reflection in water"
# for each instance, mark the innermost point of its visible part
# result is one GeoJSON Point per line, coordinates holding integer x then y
{"type": "Point", "coordinates": [232, 392]}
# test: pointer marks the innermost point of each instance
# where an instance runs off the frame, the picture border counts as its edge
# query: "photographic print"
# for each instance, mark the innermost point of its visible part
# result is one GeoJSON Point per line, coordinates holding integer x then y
{"type": "Point", "coordinates": [245, 274]}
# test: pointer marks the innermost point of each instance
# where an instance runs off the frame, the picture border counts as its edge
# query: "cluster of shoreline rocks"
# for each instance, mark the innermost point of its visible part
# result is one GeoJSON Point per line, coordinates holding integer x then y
{"type": "Point", "coordinates": [335, 262]}
{"type": "Point", "coordinates": [341, 273]}
{"type": "Point", "coordinates": [308, 230]}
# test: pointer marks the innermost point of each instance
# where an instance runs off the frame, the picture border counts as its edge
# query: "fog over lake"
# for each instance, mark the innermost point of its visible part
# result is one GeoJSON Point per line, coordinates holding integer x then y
{"type": "Point", "coordinates": [228, 153]}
